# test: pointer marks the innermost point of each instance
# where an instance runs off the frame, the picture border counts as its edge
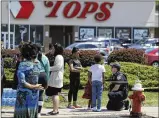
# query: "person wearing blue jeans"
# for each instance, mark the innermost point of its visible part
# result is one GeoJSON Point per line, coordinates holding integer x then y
{"type": "Point", "coordinates": [96, 76]}
{"type": "Point", "coordinates": [97, 88]}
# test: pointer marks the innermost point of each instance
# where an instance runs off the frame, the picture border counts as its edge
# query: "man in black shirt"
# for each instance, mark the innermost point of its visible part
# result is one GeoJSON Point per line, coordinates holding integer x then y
{"type": "Point", "coordinates": [118, 90]}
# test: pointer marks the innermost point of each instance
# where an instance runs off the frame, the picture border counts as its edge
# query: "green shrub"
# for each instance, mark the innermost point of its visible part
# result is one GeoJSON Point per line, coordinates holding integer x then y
{"type": "Point", "coordinates": [9, 73]}
{"type": "Point", "coordinates": [127, 55]}
{"type": "Point", "coordinates": [10, 52]}
{"type": "Point", "coordinates": [86, 57]}
{"type": "Point", "coordinates": [147, 74]}
{"type": "Point", "coordinates": [8, 63]}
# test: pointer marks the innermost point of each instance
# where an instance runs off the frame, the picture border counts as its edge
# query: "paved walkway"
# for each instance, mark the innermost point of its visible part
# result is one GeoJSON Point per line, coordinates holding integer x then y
{"type": "Point", "coordinates": [151, 112]}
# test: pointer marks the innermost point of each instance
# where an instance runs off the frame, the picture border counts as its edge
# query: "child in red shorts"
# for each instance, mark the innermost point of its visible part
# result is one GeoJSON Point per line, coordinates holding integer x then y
{"type": "Point", "coordinates": [88, 93]}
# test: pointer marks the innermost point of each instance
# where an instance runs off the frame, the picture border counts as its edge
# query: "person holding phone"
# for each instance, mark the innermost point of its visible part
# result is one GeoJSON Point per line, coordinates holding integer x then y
{"type": "Point", "coordinates": [75, 68]}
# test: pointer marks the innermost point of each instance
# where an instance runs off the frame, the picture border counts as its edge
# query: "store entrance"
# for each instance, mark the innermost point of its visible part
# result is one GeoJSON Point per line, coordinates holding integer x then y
{"type": "Point", "coordinates": [62, 34]}
{"type": "Point", "coordinates": [6, 43]}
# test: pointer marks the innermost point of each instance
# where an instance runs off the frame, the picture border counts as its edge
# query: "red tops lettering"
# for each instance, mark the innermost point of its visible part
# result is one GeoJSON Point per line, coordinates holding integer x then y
{"type": "Point", "coordinates": [78, 12]}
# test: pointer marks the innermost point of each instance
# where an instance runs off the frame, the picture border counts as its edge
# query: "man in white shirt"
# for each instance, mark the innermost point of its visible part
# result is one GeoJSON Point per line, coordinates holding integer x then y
{"type": "Point", "coordinates": [96, 76]}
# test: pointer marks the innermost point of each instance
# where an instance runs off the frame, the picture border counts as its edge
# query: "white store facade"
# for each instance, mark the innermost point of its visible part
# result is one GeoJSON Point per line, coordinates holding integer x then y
{"type": "Point", "coordinates": [69, 20]}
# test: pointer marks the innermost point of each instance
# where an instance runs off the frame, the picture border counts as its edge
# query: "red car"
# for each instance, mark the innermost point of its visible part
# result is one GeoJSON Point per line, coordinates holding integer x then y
{"type": "Point", "coordinates": [152, 57]}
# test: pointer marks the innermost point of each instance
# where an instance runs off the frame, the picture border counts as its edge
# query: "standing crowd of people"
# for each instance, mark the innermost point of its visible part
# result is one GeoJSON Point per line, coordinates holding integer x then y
{"type": "Point", "coordinates": [36, 74]}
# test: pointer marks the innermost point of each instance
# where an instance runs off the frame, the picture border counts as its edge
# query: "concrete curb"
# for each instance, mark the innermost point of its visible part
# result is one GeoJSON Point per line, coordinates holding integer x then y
{"type": "Point", "coordinates": [151, 112]}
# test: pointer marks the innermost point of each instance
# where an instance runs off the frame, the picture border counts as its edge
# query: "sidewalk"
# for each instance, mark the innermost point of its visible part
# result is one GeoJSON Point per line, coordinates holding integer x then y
{"type": "Point", "coordinates": [151, 112]}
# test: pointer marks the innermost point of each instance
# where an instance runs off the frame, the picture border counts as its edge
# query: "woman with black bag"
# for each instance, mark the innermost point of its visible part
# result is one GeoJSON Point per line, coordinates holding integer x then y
{"type": "Point", "coordinates": [44, 75]}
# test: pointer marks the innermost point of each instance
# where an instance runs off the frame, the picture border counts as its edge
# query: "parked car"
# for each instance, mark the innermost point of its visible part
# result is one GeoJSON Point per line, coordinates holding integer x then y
{"type": "Point", "coordinates": [98, 46]}
{"type": "Point", "coordinates": [145, 43]}
{"type": "Point", "coordinates": [108, 41]}
{"type": "Point", "coordinates": [104, 45]}
{"type": "Point", "coordinates": [101, 47]}
{"type": "Point", "coordinates": [126, 42]}
{"type": "Point", "coordinates": [152, 56]}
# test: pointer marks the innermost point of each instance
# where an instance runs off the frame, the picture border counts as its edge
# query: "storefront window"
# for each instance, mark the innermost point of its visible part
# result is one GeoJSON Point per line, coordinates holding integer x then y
{"type": "Point", "coordinates": [4, 28]}
{"type": "Point", "coordinates": [21, 34]}
{"type": "Point", "coordinates": [140, 33]}
{"type": "Point", "coordinates": [36, 34]}
{"type": "Point", "coordinates": [87, 32]}
{"type": "Point", "coordinates": [123, 33]}
{"type": "Point", "coordinates": [105, 32]}
{"type": "Point", "coordinates": [4, 36]}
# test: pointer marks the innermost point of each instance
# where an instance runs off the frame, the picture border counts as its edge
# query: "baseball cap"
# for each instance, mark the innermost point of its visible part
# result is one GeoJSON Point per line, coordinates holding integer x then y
{"type": "Point", "coordinates": [115, 65]}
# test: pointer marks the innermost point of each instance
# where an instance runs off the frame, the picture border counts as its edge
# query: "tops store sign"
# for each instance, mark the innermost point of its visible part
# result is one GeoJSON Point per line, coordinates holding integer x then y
{"type": "Point", "coordinates": [73, 9]}
{"type": "Point", "coordinates": [120, 13]}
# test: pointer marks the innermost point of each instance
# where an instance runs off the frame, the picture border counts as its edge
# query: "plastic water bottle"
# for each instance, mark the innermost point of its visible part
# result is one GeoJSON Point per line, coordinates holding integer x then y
{"type": "Point", "coordinates": [15, 93]}
{"type": "Point", "coordinates": [13, 102]}
{"type": "Point", "coordinates": [3, 101]}
{"type": "Point", "coordinates": [6, 102]}
{"type": "Point", "coordinates": [4, 93]}
{"type": "Point", "coordinates": [7, 93]}
{"type": "Point", "coordinates": [9, 101]}
{"type": "Point", "coordinates": [10, 93]}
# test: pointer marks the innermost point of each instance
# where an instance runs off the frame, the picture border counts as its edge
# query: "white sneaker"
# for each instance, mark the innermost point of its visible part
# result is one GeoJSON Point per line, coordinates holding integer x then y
{"type": "Point", "coordinates": [98, 110]}
{"type": "Point", "coordinates": [94, 109]}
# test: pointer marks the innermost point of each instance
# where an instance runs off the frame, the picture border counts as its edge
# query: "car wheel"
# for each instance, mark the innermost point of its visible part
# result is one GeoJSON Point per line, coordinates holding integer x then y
{"type": "Point", "coordinates": [155, 64]}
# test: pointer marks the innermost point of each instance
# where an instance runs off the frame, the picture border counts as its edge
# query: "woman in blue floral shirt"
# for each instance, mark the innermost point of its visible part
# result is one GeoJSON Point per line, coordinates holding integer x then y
{"type": "Point", "coordinates": [28, 87]}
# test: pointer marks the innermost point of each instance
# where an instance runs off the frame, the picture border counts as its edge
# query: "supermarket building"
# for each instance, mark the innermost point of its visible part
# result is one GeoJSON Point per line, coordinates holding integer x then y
{"type": "Point", "coordinates": [66, 21]}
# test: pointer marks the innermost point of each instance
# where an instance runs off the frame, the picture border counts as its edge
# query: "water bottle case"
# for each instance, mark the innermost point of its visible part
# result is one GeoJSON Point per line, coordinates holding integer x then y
{"type": "Point", "coordinates": [9, 97]}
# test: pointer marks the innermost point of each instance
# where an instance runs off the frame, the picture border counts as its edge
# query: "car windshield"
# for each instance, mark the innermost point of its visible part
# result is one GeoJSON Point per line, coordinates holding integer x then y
{"type": "Point", "coordinates": [71, 46]}
{"type": "Point", "coordinates": [142, 41]}
{"type": "Point", "coordinates": [145, 41]}
{"type": "Point", "coordinates": [98, 44]}
{"type": "Point", "coordinates": [149, 50]}
{"type": "Point", "coordinates": [115, 42]}
{"type": "Point", "coordinates": [111, 42]}
{"type": "Point", "coordinates": [101, 44]}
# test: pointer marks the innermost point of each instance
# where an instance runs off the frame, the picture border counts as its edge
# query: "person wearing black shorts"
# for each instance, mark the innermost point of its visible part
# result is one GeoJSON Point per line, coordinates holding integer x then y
{"type": "Point", "coordinates": [55, 82]}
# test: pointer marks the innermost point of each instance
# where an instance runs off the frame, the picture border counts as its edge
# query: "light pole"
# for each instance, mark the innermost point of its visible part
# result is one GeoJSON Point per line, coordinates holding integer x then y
{"type": "Point", "coordinates": [9, 24]}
